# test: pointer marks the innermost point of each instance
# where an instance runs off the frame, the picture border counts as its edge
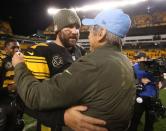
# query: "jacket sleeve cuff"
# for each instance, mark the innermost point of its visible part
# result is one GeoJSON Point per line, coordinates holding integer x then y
{"type": "Point", "coordinates": [60, 117]}
{"type": "Point", "coordinates": [20, 66]}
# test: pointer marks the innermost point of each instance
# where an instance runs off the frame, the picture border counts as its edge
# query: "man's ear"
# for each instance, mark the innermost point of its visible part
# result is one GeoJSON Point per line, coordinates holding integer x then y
{"type": "Point", "coordinates": [101, 34]}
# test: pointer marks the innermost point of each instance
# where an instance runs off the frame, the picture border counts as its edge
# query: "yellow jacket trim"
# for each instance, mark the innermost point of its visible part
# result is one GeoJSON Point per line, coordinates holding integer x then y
{"type": "Point", "coordinates": [9, 73]}
{"type": "Point", "coordinates": [8, 82]}
{"type": "Point", "coordinates": [39, 44]}
{"type": "Point", "coordinates": [34, 57]}
{"type": "Point", "coordinates": [38, 66]}
{"type": "Point", "coordinates": [45, 128]}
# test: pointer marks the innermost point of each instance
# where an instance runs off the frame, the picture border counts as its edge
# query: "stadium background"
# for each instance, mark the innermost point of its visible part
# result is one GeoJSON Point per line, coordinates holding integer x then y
{"type": "Point", "coordinates": [148, 34]}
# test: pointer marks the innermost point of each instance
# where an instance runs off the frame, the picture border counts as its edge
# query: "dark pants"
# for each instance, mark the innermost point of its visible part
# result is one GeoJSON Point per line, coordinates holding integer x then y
{"type": "Point", "coordinates": [10, 118]}
{"type": "Point", "coordinates": [51, 119]}
{"type": "Point", "coordinates": [139, 109]}
{"type": "Point", "coordinates": [2, 120]}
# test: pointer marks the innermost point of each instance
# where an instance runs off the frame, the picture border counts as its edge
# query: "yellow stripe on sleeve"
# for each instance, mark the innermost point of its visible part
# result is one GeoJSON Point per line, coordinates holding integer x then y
{"type": "Point", "coordinates": [45, 128]}
{"type": "Point", "coordinates": [38, 66]}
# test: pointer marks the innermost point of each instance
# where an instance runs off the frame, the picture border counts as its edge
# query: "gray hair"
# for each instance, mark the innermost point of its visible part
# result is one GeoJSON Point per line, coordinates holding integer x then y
{"type": "Point", "coordinates": [110, 37]}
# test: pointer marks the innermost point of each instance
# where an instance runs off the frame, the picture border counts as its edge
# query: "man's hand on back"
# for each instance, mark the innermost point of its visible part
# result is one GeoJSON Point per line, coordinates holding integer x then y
{"type": "Point", "coordinates": [80, 122]}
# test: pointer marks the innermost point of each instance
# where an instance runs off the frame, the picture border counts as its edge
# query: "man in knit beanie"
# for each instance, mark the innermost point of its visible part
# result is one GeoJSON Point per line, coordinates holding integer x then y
{"type": "Point", "coordinates": [64, 18]}
{"type": "Point", "coordinates": [46, 60]}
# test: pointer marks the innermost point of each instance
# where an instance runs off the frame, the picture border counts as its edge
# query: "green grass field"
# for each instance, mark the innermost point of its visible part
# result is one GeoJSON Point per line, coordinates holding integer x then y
{"type": "Point", "coordinates": [160, 125]}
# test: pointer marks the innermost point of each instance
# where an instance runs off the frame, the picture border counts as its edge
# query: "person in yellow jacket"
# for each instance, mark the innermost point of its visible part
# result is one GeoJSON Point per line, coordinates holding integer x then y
{"type": "Point", "coordinates": [8, 111]}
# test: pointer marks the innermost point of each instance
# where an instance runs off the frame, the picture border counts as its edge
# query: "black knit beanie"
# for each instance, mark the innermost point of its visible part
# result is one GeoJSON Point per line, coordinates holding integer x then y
{"type": "Point", "coordinates": [65, 17]}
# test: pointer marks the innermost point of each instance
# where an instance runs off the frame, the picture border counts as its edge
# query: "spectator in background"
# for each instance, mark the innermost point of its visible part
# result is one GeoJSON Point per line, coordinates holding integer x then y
{"type": "Point", "coordinates": [8, 111]}
{"type": "Point", "coordinates": [146, 92]}
{"type": "Point", "coordinates": [103, 80]}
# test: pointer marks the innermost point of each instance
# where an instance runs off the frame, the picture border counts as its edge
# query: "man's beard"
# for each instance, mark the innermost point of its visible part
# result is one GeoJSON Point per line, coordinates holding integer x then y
{"type": "Point", "coordinates": [68, 41]}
